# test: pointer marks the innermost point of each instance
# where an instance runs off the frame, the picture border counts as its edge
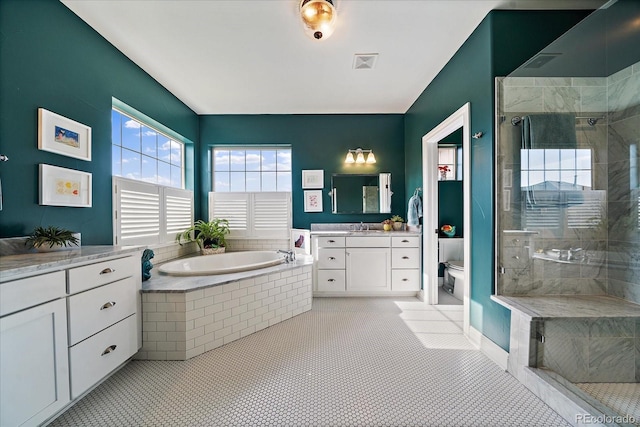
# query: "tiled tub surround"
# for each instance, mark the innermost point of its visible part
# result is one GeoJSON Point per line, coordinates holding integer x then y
{"type": "Point", "coordinates": [186, 316]}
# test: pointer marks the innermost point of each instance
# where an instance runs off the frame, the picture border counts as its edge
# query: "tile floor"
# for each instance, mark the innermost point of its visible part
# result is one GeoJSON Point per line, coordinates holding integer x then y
{"type": "Point", "coordinates": [347, 362]}
{"type": "Point", "coordinates": [623, 398]}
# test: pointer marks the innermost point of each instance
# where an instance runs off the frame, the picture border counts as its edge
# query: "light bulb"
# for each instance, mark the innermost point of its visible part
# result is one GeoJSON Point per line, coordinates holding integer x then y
{"type": "Point", "coordinates": [371, 158]}
{"type": "Point", "coordinates": [359, 156]}
{"type": "Point", "coordinates": [349, 158]}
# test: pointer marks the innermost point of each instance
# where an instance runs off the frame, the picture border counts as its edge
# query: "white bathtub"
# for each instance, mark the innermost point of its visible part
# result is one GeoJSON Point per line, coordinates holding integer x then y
{"type": "Point", "coordinates": [222, 263]}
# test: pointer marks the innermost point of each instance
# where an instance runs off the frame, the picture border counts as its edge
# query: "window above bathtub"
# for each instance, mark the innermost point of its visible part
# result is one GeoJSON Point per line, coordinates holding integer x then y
{"type": "Point", "coordinates": [252, 190]}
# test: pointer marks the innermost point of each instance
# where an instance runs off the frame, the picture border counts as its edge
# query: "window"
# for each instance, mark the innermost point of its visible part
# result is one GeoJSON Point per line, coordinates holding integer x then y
{"type": "Point", "coordinates": [252, 190]}
{"type": "Point", "coordinates": [149, 202]}
{"type": "Point", "coordinates": [450, 162]}
{"type": "Point", "coordinates": [556, 185]}
{"type": "Point", "coordinates": [143, 153]}
{"type": "Point", "coordinates": [251, 169]}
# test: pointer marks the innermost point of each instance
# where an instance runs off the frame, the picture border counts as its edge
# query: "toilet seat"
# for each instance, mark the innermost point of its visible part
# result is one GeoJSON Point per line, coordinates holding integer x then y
{"type": "Point", "coordinates": [456, 265]}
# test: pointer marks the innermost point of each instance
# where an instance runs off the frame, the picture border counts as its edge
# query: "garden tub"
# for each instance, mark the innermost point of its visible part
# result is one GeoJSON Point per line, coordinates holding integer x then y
{"type": "Point", "coordinates": [232, 262]}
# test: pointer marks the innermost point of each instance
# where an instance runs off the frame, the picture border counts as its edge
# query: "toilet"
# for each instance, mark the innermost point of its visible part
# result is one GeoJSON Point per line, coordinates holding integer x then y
{"type": "Point", "coordinates": [451, 256]}
{"type": "Point", "coordinates": [454, 278]}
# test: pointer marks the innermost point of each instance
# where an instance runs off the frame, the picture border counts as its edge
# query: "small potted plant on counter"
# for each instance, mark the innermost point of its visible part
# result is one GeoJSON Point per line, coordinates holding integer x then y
{"type": "Point", "coordinates": [210, 236]}
{"type": "Point", "coordinates": [398, 222]}
{"type": "Point", "coordinates": [52, 238]}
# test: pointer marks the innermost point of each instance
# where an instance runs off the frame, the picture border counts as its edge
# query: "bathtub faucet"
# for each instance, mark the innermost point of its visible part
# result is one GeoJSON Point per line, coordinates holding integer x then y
{"type": "Point", "coordinates": [291, 256]}
{"type": "Point", "coordinates": [575, 254]}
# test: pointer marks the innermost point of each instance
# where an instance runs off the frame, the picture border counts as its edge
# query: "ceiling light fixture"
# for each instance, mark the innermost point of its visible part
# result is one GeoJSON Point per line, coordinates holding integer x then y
{"type": "Point", "coordinates": [359, 158]}
{"type": "Point", "coordinates": [319, 17]}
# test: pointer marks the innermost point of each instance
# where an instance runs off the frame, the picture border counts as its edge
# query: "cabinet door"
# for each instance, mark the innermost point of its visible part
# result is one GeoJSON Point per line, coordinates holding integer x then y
{"type": "Point", "coordinates": [368, 269]}
{"type": "Point", "coordinates": [34, 365]}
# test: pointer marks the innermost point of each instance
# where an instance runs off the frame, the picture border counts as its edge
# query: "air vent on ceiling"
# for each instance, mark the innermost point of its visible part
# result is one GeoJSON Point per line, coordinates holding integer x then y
{"type": "Point", "coordinates": [540, 60]}
{"type": "Point", "coordinates": [364, 61]}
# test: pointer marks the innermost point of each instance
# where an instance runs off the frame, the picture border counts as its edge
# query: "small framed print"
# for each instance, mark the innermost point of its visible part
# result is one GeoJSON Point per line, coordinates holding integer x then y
{"type": "Point", "coordinates": [313, 178]}
{"type": "Point", "coordinates": [313, 201]}
{"type": "Point", "coordinates": [301, 241]}
{"type": "Point", "coordinates": [64, 187]}
{"type": "Point", "coordinates": [61, 135]}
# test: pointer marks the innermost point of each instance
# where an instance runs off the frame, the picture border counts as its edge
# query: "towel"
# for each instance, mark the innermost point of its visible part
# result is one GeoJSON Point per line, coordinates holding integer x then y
{"type": "Point", "coordinates": [553, 130]}
{"type": "Point", "coordinates": [414, 212]}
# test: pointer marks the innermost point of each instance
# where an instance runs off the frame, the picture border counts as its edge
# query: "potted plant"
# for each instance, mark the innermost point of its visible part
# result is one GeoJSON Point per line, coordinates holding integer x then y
{"type": "Point", "coordinates": [208, 235]}
{"type": "Point", "coordinates": [52, 238]}
{"type": "Point", "coordinates": [398, 222]}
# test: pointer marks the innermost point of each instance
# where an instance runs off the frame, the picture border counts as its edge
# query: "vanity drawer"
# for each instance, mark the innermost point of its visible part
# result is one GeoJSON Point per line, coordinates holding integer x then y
{"type": "Point", "coordinates": [368, 242]}
{"type": "Point", "coordinates": [405, 258]}
{"type": "Point", "coordinates": [405, 280]}
{"type": "Point", "coordinates": [331, 280]}
{"type": "Point", "coordinates": [405, 241]}
{"type": "Point", "coordinates": [331, 258]}
{"type": "Point", "coordinates": [97, 309]}
{"type": "Point", "coordinates": [24, 293]}
{"type": "Point", "coordinates": [331, 241]}
{"type": "Point", "coordinates": [94, 358]}
{"type": "Point", "coordinates": [94, 275]}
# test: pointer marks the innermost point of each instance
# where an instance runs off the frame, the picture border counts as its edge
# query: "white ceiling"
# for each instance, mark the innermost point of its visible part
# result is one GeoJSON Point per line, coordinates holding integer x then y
{"type": "Point", "coordinates": [253, 57]}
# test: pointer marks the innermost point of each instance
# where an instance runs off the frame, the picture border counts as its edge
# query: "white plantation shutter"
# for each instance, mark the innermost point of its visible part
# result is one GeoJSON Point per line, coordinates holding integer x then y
{"type": "Point", "coordinates": [585, 208]}
{"type": "Point", "coordinates": [253, 215]}
{"type": "Point", "coordinates": [147, 214]}
{"type": "Point", "coordinates": [178, 206]}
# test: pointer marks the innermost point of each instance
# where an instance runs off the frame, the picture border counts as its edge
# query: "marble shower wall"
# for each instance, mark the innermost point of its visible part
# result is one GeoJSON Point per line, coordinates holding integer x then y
{"type": "Point", "coordinates": [524, 274]}
{"type": "Point", "coordinates": [613, 242]}
{"type": "Point", "coordinates": [624, 187]}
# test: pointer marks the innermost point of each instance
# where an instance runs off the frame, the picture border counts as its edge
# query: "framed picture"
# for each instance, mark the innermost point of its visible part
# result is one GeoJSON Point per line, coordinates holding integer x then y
{"type": "Point", "coordinates": [313, 178]}
{"type": "Point", "coordinates": [64, 187]}
{"type": "Point", "coordinates": [61, 135]}
{"type": "Point", "coordinates": [301, 241]}
{"type": "Point", "coordinates": [313, 201]}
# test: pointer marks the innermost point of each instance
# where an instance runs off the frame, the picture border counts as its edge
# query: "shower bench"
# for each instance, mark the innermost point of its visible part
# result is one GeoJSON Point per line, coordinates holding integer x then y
{"type": "Point", "coordinates": [583, 338]}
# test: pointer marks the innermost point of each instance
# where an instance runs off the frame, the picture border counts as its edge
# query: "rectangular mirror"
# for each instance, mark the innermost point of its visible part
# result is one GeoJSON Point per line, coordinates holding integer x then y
{"type": "Point", "coordinates": [361, 193]}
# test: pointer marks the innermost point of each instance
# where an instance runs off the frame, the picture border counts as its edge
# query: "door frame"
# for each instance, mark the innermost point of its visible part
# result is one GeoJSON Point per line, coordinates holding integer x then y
{"type": "Point", "coordinates": [459, 119]}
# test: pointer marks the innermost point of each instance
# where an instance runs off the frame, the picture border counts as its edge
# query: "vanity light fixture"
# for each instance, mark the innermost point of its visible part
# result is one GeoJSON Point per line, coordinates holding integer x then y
{"type": "Point", "coordinates": [319, 18]}
{"type": "Point", "coordinates": [359, 158]}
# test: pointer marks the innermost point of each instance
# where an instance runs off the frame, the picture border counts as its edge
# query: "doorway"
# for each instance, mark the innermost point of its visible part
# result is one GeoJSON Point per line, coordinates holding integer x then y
{"type": "Point", "coordinates": [458, 120]}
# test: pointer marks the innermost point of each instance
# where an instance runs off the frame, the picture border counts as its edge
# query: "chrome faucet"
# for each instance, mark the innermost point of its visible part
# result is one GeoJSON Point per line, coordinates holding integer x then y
{"type": "Point", "coordinates": [290, 255]}
{"type": "Point", "coordinates": [363, 226]}
{"type": "Point", "coordinates": [575, 254]}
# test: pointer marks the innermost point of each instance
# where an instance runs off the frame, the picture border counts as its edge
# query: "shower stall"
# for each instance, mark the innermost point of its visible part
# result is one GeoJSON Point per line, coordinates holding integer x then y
{"type": "Point", "coordinates": [568, 214]}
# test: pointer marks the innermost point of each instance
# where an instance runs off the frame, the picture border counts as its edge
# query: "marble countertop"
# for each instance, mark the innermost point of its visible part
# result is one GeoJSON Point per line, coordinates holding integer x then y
{"type": "Point", "coordinates": [160, 282]}
{"type": "Point", "coordinates": [571, 306]}
{"type": "Point", "coordinates": [363, 233]}
{"type": "Point", "coordinates": [27, 264]}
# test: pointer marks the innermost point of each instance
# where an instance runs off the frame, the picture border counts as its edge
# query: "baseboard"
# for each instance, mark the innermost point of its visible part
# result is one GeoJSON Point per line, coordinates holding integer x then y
{"type": "Point", "coordinates": [490, 349]}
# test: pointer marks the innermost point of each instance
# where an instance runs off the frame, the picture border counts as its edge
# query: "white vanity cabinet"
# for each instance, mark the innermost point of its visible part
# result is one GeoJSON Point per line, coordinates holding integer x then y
{"type": "Point", "coordinates": [405, 263]}
{"type": "Point", "coordinates": [366, 264]}
{"type": "Point", "coordinates": [34, 368]}
{"type": "Point", "coordinates": [62, 332]}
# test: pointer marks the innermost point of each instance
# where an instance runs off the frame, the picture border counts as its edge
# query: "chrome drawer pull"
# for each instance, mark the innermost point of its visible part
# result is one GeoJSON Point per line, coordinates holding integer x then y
{"type": "Point", "coordinates": [331, 241]}
{"type": "Point", "coordinates": [107, 270]}
{"type": "Point", "coordinates": [405, 241]}
{"type": "Point", "coordinates": [332, 258]}
{"type": "Point", "coordinates": [331, 280]}
{"type": "Point", "coordinates": [405, 257]}
{"type": "Point", "coordinates": [109, 350]}
{"type": "Point", "coordinates": [108, 305]}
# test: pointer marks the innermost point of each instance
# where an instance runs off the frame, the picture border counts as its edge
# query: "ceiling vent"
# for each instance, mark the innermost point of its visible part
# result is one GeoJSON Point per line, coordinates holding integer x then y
{"type": "Point", "coordinates": [540, 60]}
{"type": "Point", "coordinates": [364, 61]}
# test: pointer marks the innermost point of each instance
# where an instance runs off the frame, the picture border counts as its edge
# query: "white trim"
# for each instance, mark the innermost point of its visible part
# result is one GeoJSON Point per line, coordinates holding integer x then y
{"type": "Point", "coordinates": [459, 119]}
{"type": "Point", "coordinates": [490, 349]}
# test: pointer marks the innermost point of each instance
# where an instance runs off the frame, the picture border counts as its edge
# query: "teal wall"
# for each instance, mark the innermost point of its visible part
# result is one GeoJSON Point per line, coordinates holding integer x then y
{"type": "Point", "coordinates": [451, 205]}
{"type": "Point", "coordinates": [50, 58]}
{"type": "Point", "coordinates": [502, 42]}
{"type": "Point", "coordinates": [317, 142]}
